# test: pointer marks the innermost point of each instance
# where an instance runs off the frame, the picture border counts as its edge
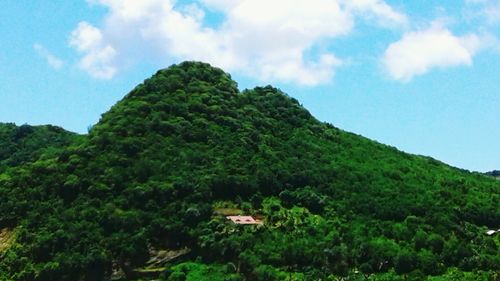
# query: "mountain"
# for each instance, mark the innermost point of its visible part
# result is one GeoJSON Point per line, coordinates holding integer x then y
{"type": "Point", "coordinates": [144, 196]}
{"type": "Point", "coordinates": [22, 144]}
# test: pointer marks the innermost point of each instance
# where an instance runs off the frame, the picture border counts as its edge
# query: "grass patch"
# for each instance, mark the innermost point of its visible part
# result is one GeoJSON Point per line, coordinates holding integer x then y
{"type": "Point", "coordinates": [6, 239]}
{"type": "Point", "coordinates": [228, 211]}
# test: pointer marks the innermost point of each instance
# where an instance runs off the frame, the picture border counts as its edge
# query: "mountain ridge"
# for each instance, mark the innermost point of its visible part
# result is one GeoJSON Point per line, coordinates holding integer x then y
{"type": "Point", "coordinates": [186, 142]}
{"type": "Point", "coordinates": [25, 143]}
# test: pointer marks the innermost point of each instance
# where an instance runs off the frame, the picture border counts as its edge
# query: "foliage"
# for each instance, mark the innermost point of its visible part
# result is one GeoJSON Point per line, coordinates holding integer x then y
{"type": "Point", "coordinates": [23, 144]}
{"type": "Point", "coordinates": [151, 172]}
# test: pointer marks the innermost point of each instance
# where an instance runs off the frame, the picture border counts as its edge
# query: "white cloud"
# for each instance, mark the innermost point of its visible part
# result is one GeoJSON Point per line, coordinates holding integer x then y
{"type": "Point", "coordinates": [384, 13]}
{"type": "Point", "coordinates": [85, 37]}
{"type": "Point", "coordinates": [51, 59]}
{"type": "Point", "coordinates": [98, 56]}
{"type": "Point", "coordinates": [421, 51]}
{"type": "Point", "coordinates": [267, 39]}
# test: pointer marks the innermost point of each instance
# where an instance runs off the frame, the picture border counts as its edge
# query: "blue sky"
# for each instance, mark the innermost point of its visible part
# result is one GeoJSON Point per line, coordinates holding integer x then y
{"type": "Point", "coordinates": [418, 75]}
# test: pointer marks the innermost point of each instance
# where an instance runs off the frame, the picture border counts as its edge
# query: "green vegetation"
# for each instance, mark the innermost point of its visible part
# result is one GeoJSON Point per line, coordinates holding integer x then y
{"type": "Point", "coordinates": [7, 237]}
{"type": "Point", "coordinates": [23, 144]}
{"type": "Point", "coordinates": [495, 174]}
{"type": "Point", "coordinates": [185, 146]}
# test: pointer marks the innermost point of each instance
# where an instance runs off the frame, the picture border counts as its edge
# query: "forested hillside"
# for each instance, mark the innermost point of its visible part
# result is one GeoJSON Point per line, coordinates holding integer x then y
{"type": "Point", "coordinates": [494, 173]}
{"type": "Point", "coordinates": [142, 196]}
{"type": "Point", "coordinates": [22, 144]}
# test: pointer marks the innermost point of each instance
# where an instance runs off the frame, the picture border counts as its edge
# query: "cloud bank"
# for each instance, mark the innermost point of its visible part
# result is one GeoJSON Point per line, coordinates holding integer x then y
{"type": "Point", "coordinates": [267, 39]}
{"type": "Point", "coordinates": [419, 52]}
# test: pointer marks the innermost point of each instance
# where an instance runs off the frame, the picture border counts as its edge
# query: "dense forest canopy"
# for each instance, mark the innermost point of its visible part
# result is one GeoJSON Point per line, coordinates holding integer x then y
{"type": "Point", "coordinates": [141, 196]}
{"type": "Point", "coordinates": [23, 144]}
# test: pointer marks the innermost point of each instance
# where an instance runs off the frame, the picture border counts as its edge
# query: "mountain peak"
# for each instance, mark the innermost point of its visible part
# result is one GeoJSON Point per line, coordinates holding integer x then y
{"type": "Point", "coordinates": [171, 92]}
{"type": "Point", "coordinates": [191, 72]}
{"type": "Point", "coordinates": [190, 91]}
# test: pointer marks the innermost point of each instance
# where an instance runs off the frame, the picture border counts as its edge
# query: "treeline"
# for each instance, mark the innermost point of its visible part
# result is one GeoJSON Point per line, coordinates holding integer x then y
{"type": "Point", "coordinates": [23, 144]}
{"type": "Point", "coordinates": [494, 173]}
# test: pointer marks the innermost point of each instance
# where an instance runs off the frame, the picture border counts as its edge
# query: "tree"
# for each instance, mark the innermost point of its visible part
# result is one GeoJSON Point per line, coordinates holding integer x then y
{"type": "Point", "coordinates": [366, 269]}
{"type": "Point", "coordinates": [405, 262]}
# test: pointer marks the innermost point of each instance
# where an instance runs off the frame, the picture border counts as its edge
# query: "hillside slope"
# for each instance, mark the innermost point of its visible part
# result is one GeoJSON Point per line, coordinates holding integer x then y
{"type": "Point", "coordinates": [152, 175]}
{"type": "Point", "coordinates": [495, 174]}
{"type": "Point", "coordinates": [22, 144]}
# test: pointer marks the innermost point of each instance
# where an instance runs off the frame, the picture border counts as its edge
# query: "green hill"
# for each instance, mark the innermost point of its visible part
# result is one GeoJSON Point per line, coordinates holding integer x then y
{"type": "Point", "coordinates": [141, 196]}
{"type": "Point", "coordinates": [22, 144]}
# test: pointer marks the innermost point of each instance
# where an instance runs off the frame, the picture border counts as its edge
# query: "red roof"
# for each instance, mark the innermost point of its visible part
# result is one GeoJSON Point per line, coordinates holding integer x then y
{"type": "Point", "coordinates": [243, 220]}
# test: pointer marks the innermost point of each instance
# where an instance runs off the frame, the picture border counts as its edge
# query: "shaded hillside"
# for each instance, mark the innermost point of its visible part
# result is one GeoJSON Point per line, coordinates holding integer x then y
{"type": "Point", "coordinates": [22, 144]}
{"type": "Point", "coordinates": [494, 173]}
{"type": "Point", "coordinates": [186, 143]}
